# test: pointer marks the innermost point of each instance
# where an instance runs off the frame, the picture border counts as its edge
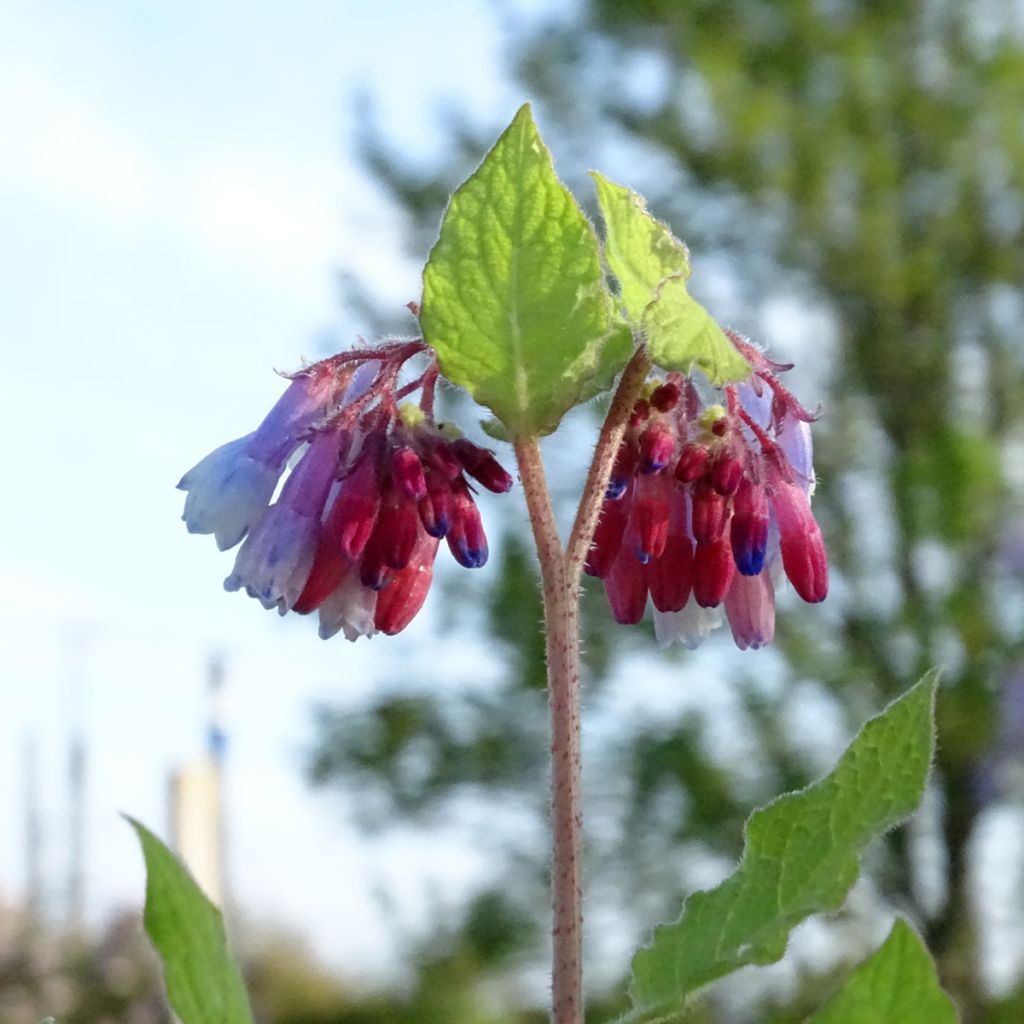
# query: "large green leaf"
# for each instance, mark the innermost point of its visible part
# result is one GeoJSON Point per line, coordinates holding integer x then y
{"type": "Point", "coordinates": [652, 266]}
{"type": "Point", "coordinates": [800, 858]}
{"type": "Point", "coordinates": [203, 983]}
{"type": "Point", "coordinates": [515, 301]}
{"type": "Point", "coordinates": [897, 985]}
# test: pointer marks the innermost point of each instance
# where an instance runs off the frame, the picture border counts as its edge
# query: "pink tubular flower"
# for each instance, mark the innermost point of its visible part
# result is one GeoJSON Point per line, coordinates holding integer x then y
{"type": "Point", "coordinates": [750, 609]}
{"type": "Point", "coordinates": [355, 529]}
{"type": "Point", "coordinates": [696, 494]}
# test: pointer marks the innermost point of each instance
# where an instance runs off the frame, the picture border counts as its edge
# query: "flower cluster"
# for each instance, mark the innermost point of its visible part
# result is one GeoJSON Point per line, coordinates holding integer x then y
{"type": "Point", "coordinates": [707, 506]}
{"type": "Point", "coordinates": [355, 529]}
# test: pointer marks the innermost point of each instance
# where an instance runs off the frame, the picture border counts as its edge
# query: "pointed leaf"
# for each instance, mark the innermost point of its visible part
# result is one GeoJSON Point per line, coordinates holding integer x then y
{"type": "Point", "coordinates": [897, 985]}
{"type": "Point", "coordinates": [652, 266]}
{"type": "Point", "coordinates": [515, 301]}
{"type": "Point", "coordinates": [800, 858]}
{"type": "Point", "coordinates": [203, 983]}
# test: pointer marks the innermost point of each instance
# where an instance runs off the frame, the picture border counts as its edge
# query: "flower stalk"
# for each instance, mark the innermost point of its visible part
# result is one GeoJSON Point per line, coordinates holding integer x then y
{"type": "Point", "coordinates": [560, 578]}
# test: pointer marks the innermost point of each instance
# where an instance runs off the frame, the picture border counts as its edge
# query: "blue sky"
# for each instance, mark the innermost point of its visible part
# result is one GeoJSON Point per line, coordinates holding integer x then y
{"type": "Point", "coordinates": [177, 192]}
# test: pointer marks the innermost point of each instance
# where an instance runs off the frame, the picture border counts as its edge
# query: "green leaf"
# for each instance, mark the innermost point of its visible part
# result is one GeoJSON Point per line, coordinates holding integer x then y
{"type": "Point", "coordinates": [652, 266]}
{"type": "Point", "coordinates": [515, 301]}
{"type": "Point", "coordinates": [641, 251]}
{"type": "Point", "coordinates": [614, 355]}
{"type": "Point", "coordinates": [800, 858]}
{"type": "Point", "coordinates": [897, 985]}
{"type": "Point", "coordinates": [203, 983]}
{"type": "Point", "coordinates": [681, 334]}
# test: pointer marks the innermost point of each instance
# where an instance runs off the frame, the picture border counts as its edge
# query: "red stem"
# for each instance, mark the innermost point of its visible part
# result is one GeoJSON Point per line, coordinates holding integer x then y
{"type": "Point", "coordinates": [560, 576]}
{"type": "Point", "coordinates": [608, 442]}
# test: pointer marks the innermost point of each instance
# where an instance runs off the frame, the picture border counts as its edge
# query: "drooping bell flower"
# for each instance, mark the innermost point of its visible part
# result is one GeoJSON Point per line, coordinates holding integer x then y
{"type": "Point", "coordinates": [355, 529]}
{"type": "Point", "coordinates": [231, 487]}
{"type": "Point", "coordinates": [697, 492]}
{"type": "Point", "coordinates": [275, 559]}
{"type": "Point", "coordinates": [750, 609]}
{"type": "Point", "coordinates": [398, 603]}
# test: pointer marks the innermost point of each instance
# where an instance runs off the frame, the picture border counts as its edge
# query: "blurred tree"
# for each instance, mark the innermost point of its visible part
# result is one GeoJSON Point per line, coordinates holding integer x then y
{"type": "Point", "coordinates": [864, 161]}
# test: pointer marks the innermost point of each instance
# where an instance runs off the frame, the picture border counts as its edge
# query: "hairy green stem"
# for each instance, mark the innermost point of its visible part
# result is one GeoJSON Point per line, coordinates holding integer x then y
{"type": "Point", "coordinates": [560, 577]}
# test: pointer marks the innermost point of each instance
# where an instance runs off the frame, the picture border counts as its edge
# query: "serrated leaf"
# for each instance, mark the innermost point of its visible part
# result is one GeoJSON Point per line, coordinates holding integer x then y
{"type": "Point", "coordinates": [800, 858]}
{"type": "Point", "coordinates": [515, 301]}
{"type": "Point", "coordinates": [203, 983]}
{"type": "Point", "coordinates": [652, 266]}
{"type": "Point", "coordinates": [896, 985]}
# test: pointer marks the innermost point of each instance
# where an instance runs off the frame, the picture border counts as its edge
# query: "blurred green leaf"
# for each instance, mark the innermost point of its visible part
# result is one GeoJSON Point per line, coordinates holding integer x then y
{"type": "Point", "coordinates": [515, 301]}
{"type": "Point", "coordinates": [897, 985]}
{"type": "Point", "coordinates": [203, 983]}
{"type": "Point", "coordinates": [652, 266]}
{"type": "Point", "coordinates": [800, 858]}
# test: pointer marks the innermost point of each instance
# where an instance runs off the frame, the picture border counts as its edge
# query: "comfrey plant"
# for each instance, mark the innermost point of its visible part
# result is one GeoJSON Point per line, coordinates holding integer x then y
{"type": "Point", "coordinates": [697, 501]}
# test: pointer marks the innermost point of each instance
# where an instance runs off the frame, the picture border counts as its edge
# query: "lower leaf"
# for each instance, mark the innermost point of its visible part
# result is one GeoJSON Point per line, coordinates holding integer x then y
{"type": "Point", "coordinates": [800, 858]}
{"type": "Point", "coordinates": [203, 983]}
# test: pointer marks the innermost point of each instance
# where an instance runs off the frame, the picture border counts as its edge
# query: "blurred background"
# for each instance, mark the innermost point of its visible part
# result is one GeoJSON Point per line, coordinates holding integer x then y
{"type": "Point", "coordinates": [194, 195]}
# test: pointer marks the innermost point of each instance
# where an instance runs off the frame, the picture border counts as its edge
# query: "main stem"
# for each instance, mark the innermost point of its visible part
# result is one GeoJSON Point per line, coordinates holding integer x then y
{"type": "Point", "coordinates": [561, 630]}
{"type": "Point", "coordinates": [560, 577]}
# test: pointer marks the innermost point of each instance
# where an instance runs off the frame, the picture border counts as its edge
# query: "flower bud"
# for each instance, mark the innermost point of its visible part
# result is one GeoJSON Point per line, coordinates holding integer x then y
{"type": "Point", "coordinates": [710, 513]}
{"type": "Point", "coordinates": [607, 537]}
{"type": "Point", "coordinates": [726, 473]}
{"type": "Point", "coordinates": [397, 526]}
{"type": "Point", "coordinates": [692, 463]}
{"type": "Point", "coordinates": [647, 530]}
{"type": "Point", "coordinates": [435, 508]}
{"type": "Point", "coordinates": [670, 577]}
{"type": "Point", "coordinates": [481, 464]}
{"type": "Point", "coordinates": [622, 471]}
{"type": "Point", "coordinates": [354, 513]}
{"type": "Point", "coordinates": [626, 587]}
{"type": "Point", "coordinates": [713, 570]}
{"type": "Point", "coordinates": [665, 396]}
{"type": "Point", "coordinates": [399, 603]}
{"type": "Point", "coordinates": [466, 539]}
{"type": "Point", "coordinates": [749, 527]}
{"type": "Point", "coordinates": [641, 411]}
{"type": "Point", "coordinates": [407, 473]}
{"type": "Point", "coordinates": [373, 569]}
{"type": "Point", "coordinates": [656, 447]}
{"type": "Point", "coordinates": [803, 548]}
{"type": "Point", "coordinates": [329, 569]}
{"type": "Point", "coordinates": [438, 453]}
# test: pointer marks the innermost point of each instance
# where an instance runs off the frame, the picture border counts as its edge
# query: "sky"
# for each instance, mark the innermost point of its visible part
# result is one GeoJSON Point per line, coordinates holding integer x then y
{"type": "Point", "coordinates": [178, 190]}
